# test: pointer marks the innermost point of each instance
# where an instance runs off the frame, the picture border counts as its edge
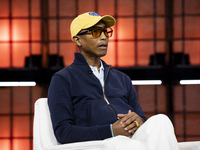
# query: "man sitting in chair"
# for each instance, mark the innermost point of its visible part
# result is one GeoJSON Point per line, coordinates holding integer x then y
{"type": "Point", "coordinates": [89, 100]}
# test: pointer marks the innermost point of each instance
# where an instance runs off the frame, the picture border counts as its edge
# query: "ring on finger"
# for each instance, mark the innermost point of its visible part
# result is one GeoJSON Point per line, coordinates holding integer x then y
{"type": "Point", "coordinates": [137, 123]}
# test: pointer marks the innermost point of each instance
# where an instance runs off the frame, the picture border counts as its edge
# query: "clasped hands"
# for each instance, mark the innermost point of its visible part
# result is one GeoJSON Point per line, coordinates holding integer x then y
{"type": "Point", "coordinates": [127, 124]}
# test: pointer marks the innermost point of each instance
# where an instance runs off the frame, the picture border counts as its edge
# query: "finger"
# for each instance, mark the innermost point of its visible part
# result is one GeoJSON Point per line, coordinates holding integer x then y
{"type": "Point", "coordinates": [131, 117]}
{"type": "Point", "coordinates": [128, 119]}
{"type": "Point", "coordinates": [128, 115]}
{"type": "Point", "coordinates": [130, 126]}
{"type": "Point", "coordinates": [133, 127]}
{"type": "Point", "coordinates": [132, 131]}
{"type": "Point", "coordinates": [128, 122]}
{"type": "Point", "coordinates": [120, 115]}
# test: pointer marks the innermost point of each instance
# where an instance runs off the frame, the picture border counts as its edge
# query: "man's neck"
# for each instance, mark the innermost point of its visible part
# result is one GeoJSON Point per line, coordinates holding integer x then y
{"type": "Point", "coordinates": [93, 61]}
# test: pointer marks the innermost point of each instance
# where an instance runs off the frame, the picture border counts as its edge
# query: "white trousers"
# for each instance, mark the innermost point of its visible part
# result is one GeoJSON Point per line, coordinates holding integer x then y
{"type": "Point", "coordinates": [157, 133]}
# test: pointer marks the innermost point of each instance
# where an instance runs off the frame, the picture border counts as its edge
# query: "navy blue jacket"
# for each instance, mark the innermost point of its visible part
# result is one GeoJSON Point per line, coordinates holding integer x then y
{"type": "Point", "coordinates": [77, 103]}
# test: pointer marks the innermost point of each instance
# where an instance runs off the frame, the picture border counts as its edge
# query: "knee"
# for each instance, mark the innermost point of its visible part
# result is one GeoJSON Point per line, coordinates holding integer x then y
{"type": "Point", "coordinates": [161, 118]}
{"type": "Point", "coordinates": [159, 122]}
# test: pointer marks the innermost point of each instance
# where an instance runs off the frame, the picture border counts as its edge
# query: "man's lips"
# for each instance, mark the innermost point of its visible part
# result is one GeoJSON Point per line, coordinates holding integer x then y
{"type": "Point", "coordinates": [103, 46]}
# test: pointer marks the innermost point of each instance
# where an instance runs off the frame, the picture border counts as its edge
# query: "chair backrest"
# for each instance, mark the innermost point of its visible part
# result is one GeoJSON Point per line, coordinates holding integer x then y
{"type": "Point", "coordinates": [43, 136]}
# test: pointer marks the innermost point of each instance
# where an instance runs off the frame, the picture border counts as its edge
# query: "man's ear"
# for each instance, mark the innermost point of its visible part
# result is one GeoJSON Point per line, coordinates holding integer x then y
{"type": "Point", "coordinates": [76, 40]}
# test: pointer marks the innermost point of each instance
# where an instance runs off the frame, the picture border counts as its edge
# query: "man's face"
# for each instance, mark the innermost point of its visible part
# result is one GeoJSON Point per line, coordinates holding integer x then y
{"type": "Point", "coordinates": [94, 46]}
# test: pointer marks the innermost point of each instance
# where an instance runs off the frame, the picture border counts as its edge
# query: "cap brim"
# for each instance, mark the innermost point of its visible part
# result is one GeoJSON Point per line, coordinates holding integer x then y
{"type": "Point", "coordinates": [109, 20]}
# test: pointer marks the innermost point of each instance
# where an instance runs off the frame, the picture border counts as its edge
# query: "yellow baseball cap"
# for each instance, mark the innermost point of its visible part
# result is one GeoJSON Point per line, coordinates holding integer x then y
{"type": "Point", "coordinates": [87, 20]}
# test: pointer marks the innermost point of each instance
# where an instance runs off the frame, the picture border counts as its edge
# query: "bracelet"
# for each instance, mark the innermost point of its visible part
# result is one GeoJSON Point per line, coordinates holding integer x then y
{"type": "Point", "coordinates": [111, 129]}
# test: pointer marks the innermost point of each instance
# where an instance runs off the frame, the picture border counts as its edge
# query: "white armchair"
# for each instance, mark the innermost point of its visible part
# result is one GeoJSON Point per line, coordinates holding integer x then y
{"type": "Point", "coordinates": [44, 139]}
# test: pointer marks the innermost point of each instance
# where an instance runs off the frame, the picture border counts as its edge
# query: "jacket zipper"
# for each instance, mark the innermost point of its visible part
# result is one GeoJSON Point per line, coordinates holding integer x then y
{"type": "Point", "coordinates": [104, 96]}
{"type": "Point", "coordinates": [109, 104]}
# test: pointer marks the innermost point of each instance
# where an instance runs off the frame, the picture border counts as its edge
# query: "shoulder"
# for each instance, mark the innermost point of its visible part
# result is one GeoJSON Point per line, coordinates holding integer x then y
{"type": "Point", "coordinates": [63, 71]}
{"type": "Point", "coordinates": [63, 74]}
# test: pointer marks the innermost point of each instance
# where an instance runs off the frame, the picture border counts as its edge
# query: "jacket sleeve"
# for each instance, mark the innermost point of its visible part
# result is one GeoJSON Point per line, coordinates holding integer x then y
{"type": "Point", "coordinates": [62, 117]}
{"type": "Point", "coordinates": [133, 101]}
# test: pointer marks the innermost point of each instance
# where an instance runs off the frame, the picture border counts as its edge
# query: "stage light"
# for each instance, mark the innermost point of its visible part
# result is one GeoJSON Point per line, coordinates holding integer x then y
{"type": "Point", "coordinates": [186, 82]}
{"type": "Point", "coordinates": [146, 82]}
{"type": "Point", "coordinates": [15, 83]}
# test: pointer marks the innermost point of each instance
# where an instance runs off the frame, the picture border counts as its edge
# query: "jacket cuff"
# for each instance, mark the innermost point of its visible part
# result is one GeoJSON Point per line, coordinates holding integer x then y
{"type": "Point", "coordinates": [104, 131]}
